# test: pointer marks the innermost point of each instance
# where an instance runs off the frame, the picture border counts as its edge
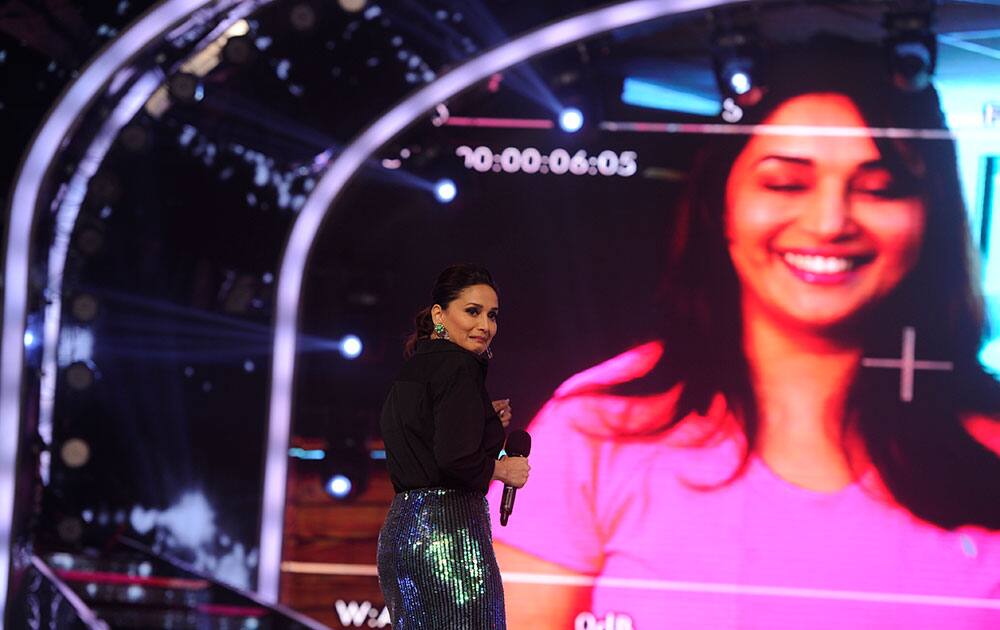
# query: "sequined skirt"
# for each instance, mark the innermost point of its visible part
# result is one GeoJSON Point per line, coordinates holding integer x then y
{"type": "Point", "coordinates": [436, 564]}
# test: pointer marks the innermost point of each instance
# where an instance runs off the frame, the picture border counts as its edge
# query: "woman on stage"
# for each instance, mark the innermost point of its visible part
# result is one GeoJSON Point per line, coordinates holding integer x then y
{"type": "Point", "coordinates": [442, 435]}
{"type": "Point", "coordinates": [760, 465]}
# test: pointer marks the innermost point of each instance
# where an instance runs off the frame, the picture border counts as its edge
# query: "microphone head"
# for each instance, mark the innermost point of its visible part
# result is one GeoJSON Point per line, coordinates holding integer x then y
{"type": "Point", "coordinates": [518, 444]}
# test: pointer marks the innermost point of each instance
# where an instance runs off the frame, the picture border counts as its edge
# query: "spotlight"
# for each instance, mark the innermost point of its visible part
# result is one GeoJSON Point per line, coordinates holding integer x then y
{"type": "Point", "coordinates": [75, 452]}
{"type": "Point", "coordinates": [79, 376]}
{"type": "Point", "coordinates": [445, 190]}
{"type": "Point", "coordinates": [70, 529]}
{"type": "Point", "coordinates": [739, 81]}
{"type": "Point", "coordinates": [84, 307]}
{"type": "Point", "coordinates": [338, 486]}
{"type": "Point", "coordinates": [570, 120]}
{"type": "Point", "coordinates": [344, 470]}
{"type": "Point", "coordinates": [735, 51]}
{"type": "Point", "coordinates": [239, 50]}
{"type": "Point", "coordinates": [352, 6]}
{"type": "Point", "coordinates": [912, 47]}
{"type": "Point", "coordinates": [90, 240]}
{"type": "Point", "coordinates": [134, 593]}
{"type": "Point", "coordinates": [134, 138]}
{"type": "Point", "coordinates": [33, 339]}
{"type": "Point", "coordinates": [185, 87]}
{"type": "Point", "coordinates": [351, 347]}
{"type": "Point", "coordinates": [104, 188]}
{"type": "Point", "coordinates": [302, 17]}
{"type": "Point", "coordinates": [736, 76]}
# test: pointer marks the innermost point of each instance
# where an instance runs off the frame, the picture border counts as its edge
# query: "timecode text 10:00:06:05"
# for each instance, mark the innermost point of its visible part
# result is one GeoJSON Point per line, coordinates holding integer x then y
{"type": "Point", "coordinates": [557, 161]}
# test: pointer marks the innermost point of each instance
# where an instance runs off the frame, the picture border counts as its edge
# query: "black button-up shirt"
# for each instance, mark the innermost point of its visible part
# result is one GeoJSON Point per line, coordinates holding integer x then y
{"type": "Point", "coordinates": [438, 424]}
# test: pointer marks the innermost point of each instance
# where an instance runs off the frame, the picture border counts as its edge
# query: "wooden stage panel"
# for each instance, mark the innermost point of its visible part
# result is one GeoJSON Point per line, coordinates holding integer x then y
{"type": "Point", "coordinates": [335, 600]}
{"type": "Point", "coordinates": [336, 537]}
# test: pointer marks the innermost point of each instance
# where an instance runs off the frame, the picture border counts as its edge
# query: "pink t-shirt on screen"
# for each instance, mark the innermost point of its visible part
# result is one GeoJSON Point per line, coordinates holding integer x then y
{"type": "Point", "coordinates": [758, 552]}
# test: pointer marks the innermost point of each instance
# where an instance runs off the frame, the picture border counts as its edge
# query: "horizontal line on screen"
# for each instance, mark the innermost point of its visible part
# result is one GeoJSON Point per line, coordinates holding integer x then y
{"type": "Point", "coordinates": [327, 568]}
{"type": "Point", "coordinates": [800, 130]}
{"type": "Point", "coordinates": [500, 123]}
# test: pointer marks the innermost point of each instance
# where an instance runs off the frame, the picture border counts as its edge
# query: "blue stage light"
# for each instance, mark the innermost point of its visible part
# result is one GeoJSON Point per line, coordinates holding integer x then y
{"type": "Point", "coordinates": [338, 486]}
{"type": "Point", "coordinates": [570, 119]}
{"type": "Point", "coordinates": [989, 356]}
{"type": "Point", "coordinates": [445, 190]}
{"type": "Point", "coordinates": [660, 95]}
{"type": "Point", "coordinates": [735, 74]}
{"type": "Point", "coordinates": [351, 346]}
{"type": "Point", "coordinates": [29, 339]}
{"type": "Point", "coordinates": [306, 453]}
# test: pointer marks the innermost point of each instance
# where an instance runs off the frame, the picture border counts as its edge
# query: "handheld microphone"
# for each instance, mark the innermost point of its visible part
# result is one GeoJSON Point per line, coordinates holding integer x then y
{"type": "Point", "coordinates": [518, 445]}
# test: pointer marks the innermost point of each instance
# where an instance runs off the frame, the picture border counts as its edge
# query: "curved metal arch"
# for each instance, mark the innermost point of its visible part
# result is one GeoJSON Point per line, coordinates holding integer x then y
{"type": "Point", "coordinates": [78, 97]}
{"type": "Point", "coordinates": [334, 180]}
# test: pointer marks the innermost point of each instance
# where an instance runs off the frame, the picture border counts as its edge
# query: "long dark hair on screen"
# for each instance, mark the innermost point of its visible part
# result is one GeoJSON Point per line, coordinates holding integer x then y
{"type": "Point", "coordinates": [450, 282]}
{"type": "Point", "coordinates": [924, 455]}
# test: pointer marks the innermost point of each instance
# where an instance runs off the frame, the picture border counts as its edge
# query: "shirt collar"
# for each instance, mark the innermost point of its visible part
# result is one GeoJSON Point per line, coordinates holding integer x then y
{"type": "Point", "coordinates": [428, 346]}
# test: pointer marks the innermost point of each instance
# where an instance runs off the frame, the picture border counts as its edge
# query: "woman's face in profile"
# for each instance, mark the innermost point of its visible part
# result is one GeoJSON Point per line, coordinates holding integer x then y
{"type": "Point", "coordinates": [471, 318]}
{"type": "Point", "coordinates": [817, 226]}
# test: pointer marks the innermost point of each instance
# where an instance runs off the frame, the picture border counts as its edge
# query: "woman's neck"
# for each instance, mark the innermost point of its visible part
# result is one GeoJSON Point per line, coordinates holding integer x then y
{"type": "Point", "coordinates": [801, 380]}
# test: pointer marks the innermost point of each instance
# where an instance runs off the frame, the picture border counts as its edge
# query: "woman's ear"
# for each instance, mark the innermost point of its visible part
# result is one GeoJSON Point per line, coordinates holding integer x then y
{"type": "Point", "coordinates": [436, 313]}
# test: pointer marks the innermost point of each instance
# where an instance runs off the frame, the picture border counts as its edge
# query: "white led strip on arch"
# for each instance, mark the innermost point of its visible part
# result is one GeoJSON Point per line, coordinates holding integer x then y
{"type": "Point", "coordinates": [325, 193]}
{"type": "Point", "coordinates": [43, 151]}
{"type": "Point", "coordinates": [77, 98]}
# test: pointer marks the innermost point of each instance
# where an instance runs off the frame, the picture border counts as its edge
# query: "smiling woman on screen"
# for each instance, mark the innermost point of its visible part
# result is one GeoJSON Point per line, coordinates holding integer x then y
{"type": "Point", "coordinates": [748, 469]}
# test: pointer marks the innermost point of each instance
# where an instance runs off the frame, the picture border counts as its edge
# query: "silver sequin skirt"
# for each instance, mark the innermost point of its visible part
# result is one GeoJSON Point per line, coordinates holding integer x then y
{"type": "Point", "coordinates": [436, 564]}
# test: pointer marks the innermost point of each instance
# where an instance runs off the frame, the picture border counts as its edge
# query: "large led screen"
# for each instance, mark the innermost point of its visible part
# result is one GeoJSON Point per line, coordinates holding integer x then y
{"type": "Point", "coordinates": [741, 262]}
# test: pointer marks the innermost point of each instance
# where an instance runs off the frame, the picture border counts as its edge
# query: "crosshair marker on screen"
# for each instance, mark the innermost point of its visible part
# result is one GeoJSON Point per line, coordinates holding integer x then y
{"type": "Point", "coordinates": [907, 364]}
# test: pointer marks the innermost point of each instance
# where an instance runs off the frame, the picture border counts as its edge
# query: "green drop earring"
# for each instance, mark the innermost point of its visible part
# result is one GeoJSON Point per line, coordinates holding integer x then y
{"type": "Point", "coordinates": [441, 331]}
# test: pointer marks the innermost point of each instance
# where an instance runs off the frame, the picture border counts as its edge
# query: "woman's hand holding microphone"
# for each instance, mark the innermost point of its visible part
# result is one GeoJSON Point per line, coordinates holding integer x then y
{"type": "Point", "coordinates": [512, 471]}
